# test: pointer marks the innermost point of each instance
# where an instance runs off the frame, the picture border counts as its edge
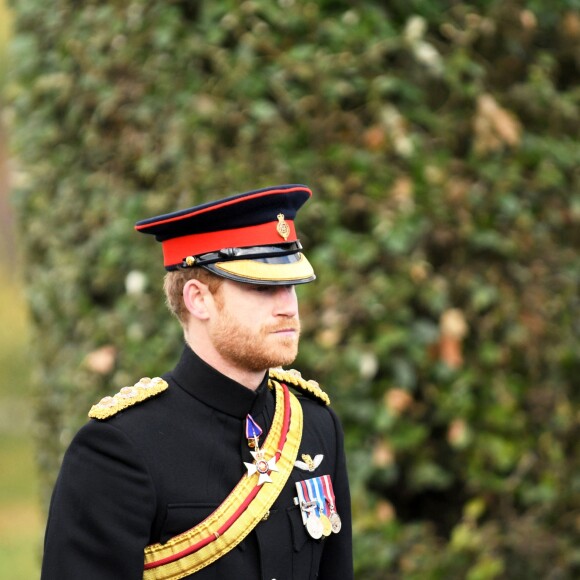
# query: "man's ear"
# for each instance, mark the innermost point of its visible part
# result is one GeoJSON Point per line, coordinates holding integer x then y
{"type": "Point", "coordinates": [195, 298]}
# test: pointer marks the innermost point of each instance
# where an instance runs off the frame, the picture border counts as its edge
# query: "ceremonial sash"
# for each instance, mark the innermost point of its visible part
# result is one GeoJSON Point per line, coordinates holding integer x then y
{"type": "Point", "coordinates": [241, 511]}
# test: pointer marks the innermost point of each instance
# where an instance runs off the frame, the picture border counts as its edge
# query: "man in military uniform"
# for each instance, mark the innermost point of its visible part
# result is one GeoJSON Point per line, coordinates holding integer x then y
{"type": "Point", "coordinates": [227, 466]}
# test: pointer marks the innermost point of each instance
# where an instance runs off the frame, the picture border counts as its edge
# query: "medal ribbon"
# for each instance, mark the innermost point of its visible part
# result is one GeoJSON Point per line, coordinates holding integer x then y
{"type": "Point", "coordinates": [313, 492]}
{"type": "Point", "coordinates": [302, 498]}
{"type": "Point", "coordinates": [329, 492]}
{"type": "Point", "coordinates": [253, 430]}
{"type": "Point", "coordinates": [320, 495]}
{"type": "Point", "coordinates": [241, 511]}
{"type": "Point", "coordinates": [305, 491]}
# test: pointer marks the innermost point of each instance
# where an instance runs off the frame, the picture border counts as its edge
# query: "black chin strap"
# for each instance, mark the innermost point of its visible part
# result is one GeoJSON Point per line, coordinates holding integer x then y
{"type": "Point", "coordinates": [229, 254]}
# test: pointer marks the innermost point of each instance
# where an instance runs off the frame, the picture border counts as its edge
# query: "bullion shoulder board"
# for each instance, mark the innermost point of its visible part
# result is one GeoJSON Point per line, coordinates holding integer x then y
{"type": "Point", "coordinates": [293, 378]}
{"type": "Point", "coordinates": [127, 397]}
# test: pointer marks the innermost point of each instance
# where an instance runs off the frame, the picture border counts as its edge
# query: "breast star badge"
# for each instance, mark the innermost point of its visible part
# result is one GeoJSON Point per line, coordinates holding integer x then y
{"type": "Point", "coordinates": [261, 466]}
{"type": "Point", "coordinates": [309, 464]}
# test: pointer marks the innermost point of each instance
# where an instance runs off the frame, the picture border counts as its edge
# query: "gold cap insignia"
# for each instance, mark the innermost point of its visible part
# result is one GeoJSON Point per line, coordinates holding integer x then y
{"type": "Point", "coordinates": [282, 227]}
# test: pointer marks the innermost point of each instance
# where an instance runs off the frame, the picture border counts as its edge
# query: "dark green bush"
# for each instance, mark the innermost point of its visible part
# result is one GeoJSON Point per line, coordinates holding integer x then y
{"type": "Point", "coordinates": [441, 141]}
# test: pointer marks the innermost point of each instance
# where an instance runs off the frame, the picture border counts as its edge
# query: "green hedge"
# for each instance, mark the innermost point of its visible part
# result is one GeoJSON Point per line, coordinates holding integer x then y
{"type": "Point", "coordinates": [441, 141]}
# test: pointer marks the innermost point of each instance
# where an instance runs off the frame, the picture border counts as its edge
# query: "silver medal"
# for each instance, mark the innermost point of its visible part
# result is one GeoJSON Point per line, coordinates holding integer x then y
{"type": "Point", "coordinates": [314, 526]}
{"type": "Point", "coordinates": [335, 522]}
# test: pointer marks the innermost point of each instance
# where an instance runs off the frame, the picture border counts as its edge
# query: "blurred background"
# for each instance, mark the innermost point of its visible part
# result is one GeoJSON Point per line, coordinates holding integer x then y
{"type": "Point", "coordinates": [20, 511]}
{"type": "Point", "coordinates": [441, 142]}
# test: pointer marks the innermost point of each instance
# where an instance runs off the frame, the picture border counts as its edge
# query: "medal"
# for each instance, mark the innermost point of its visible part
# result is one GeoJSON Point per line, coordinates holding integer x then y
{"type": "Point", "coordinates": [326, 525]}
{"type": "Point", "coordinates": [335, 522]}
{"type": "Point", "coordinates": [320, 491]}
{"type": "Point", "coordinates": [261, 465]}
{"type": "Point", "coordinates": [313, 505]}
{"type": "Point", "coordinates": [314, 526]}
{"type": "Point", "coordinates": [309, 508]}
{"type": "Point", "coordinates": [334, 518]}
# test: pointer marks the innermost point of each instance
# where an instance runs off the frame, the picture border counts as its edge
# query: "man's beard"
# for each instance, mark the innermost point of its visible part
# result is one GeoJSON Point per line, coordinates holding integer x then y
{"type": "Point", "coordinates": [256, 350]}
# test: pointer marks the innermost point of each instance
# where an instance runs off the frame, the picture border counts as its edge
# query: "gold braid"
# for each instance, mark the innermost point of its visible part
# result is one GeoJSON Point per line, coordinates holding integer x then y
{"type": "Point", "coordinates": [294, 377]}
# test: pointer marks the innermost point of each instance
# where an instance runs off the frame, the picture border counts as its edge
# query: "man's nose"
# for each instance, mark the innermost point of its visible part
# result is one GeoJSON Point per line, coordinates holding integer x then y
{"type": "Point", "coordinates": [286, 301]}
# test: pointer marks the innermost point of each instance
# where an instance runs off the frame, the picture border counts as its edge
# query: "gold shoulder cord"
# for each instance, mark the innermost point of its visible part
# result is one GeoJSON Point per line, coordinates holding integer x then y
{"type": "Point", "coordinates": [293, 377]}
{"type": "Point", "coordinates": [127, 397]}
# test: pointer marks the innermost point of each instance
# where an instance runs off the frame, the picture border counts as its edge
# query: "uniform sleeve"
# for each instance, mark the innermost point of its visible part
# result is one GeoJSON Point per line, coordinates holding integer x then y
{"type": "Point", "coordinates": [101, 510]}
{"type": "Point", "coordinates": [337, 561]}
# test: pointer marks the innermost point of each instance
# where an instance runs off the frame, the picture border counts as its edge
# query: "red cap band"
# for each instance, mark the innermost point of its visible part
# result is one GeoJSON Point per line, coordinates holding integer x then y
{"type": "Point", "coordinates": [176, 250]}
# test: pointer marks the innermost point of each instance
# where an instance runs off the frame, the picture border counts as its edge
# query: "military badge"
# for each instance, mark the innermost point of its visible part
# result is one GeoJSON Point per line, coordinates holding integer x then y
{"type": "Point", "coordinates": [314, 526]}
{"type": "Point", "coordinates": [317, 505]}
{"type": "Point", "coordinates": [282, 227]}
{"type": "Point", "coordinates": [333, 516]}
{"type": "Point", "coordinates": [261, 465]}
{"type": "Point", "coordinates": [326, 525]}
{"type": "Point", "coordinates": [309, 464]}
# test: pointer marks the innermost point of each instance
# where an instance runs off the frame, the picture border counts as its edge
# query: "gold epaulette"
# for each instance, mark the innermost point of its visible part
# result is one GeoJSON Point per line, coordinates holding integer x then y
{"type": "Point", "coordinates": [126, 397]}
{"type": "Point", "coordinates": [294, 379]}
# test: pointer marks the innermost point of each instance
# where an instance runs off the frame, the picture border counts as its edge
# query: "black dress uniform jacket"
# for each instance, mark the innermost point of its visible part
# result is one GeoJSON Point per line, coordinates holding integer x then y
{"type": "Point", "coordinates": [159, 468]}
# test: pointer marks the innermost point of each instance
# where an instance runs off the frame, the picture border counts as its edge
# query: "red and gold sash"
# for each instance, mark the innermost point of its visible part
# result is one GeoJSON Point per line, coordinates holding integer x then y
{"type": "Point", "coordinates": [241, 511]}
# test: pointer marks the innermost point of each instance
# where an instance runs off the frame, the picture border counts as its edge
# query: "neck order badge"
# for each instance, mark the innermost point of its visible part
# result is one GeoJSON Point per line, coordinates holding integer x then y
{"type": "Point", "coordinates": [261, 465]}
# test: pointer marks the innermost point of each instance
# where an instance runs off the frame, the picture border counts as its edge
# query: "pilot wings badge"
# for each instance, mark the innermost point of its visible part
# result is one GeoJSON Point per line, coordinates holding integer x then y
{"type": "Point", "coordinates": [309, 464]}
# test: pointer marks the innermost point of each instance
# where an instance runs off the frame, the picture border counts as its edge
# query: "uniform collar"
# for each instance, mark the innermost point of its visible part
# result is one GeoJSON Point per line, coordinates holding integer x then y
{"type": "Point", "coordinates": [214, 389]}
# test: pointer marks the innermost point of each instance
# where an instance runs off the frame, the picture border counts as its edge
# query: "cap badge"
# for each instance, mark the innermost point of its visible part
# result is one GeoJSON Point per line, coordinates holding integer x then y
{"type": "Point", "coordinates": [282, 227]}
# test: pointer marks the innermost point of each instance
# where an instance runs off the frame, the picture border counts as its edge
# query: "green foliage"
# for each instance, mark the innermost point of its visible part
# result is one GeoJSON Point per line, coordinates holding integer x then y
{"type": "Point", "coordinates": [440, 140]}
